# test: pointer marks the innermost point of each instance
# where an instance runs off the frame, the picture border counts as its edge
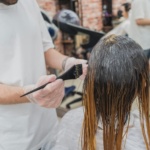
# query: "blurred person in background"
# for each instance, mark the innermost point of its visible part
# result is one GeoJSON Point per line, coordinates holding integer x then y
{"type": "Point", "coordinates": [140, 24]}
{"type": "Point", "coordinates": [123, 27]}
{"type": "Point", "coordinates": [117, 74]}
{"type": "Point", "coordinates": [26, 48]}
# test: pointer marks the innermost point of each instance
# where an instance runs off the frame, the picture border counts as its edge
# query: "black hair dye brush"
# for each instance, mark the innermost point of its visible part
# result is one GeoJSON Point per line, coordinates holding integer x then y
{"type": "Point", "coordinates": [73, 73]}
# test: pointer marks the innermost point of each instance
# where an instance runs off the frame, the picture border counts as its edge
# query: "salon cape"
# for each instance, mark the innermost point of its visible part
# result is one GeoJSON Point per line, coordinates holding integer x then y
{"type": "Point", "coordinates": [69, 135]}
{"type": "Point", "coordinates": [23, 41]}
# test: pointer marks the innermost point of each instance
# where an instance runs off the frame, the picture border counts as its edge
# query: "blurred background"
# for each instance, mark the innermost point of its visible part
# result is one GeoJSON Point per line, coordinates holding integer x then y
{"type": "Point", "coordinates": [97, 15]}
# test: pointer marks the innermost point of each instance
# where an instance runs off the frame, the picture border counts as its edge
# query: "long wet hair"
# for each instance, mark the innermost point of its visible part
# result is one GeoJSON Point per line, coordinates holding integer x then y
{"type": "Point", "coordinates": [117, 74]}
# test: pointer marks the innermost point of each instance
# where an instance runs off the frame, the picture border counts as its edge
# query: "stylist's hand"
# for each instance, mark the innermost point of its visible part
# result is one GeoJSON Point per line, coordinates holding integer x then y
{"type": "Point", "coordinates": [50, 96]}
{"type": "Point", "coordinates": [73, 61]}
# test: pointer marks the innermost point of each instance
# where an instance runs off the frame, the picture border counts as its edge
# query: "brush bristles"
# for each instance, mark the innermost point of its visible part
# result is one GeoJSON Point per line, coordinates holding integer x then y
{"type": "Point", "coordinates": [78, 70]}
{"type": "Point", "coordinates": [73, 73]}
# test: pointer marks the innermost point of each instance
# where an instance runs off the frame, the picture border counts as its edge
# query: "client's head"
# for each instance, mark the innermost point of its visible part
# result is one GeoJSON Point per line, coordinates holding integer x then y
{"type": "Point", "coordinates": [117, 74]}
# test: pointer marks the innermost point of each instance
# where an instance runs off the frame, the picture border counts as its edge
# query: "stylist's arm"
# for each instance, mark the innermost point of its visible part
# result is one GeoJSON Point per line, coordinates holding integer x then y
{"type": "Point", "coordinates": [52, 95]}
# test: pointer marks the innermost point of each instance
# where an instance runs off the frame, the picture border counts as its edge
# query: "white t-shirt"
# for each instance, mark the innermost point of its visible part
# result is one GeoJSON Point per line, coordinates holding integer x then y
{"type": "Point", "coordinates": [141, 34]}
{"type": "Point", "coordinates": [121, 29]}
{"type": "Point", "coordinates": [23, 40]}
{"type": "Point", "coordinates": [69, 134]}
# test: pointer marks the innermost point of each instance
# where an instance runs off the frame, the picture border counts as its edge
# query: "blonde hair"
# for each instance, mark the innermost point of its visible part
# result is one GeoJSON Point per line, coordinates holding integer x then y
{"type": "Point", "coordinates": [117, 73]}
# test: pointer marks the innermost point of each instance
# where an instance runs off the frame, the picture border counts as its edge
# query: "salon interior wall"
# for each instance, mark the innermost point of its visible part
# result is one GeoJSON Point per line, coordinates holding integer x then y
{"type": "Point", "coordinates": [90, 11]}
{"type": "Point", "coordinates": [48, 5]}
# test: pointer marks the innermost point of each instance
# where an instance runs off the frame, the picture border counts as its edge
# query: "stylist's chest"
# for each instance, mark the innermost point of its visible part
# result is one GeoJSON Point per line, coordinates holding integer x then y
{"type": "Point", "coordinates": [17, 28]}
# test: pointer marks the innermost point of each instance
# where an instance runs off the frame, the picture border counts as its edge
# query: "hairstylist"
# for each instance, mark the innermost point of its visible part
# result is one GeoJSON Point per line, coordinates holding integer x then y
{"type": "Point", "coordinates": [26, 48]}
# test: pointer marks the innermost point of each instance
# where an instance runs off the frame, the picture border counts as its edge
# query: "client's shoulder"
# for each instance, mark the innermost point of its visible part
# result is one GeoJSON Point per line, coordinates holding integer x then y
{"type": "Point", "coordinates": [74, 114]}
{"type": "Point", "coordinates": [73, 117]}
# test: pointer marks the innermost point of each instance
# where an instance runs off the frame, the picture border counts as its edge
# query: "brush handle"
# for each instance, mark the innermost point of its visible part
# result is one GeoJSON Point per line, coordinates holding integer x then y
{"type": "Point", "coordinates": [39, 88]}
{"type": "Point", "coordinates": [65, 76]}
{"type": "Point", "coordinates": [72, 73]}
{"type": "Point", "coordinates": [43, 86]}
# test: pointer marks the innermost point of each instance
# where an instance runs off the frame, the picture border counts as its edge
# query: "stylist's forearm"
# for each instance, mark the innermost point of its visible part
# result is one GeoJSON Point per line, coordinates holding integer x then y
{"type": "Point", "coordinates": [11, 95]}
{"type": "Point", "coordinates": [54, 59]}
{"type": "Point", "coordinates": [143, 22]}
